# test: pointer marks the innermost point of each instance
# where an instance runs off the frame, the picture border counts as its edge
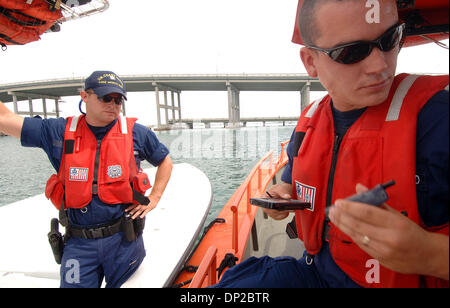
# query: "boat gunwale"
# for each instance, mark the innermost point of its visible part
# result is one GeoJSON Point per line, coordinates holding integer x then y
{"type": "Point", "coordinates": [234, 208]}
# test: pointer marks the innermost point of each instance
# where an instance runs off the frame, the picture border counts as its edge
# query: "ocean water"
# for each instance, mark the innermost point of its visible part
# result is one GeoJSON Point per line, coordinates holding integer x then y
{"type": "Point", "coordinates": [226, 156]}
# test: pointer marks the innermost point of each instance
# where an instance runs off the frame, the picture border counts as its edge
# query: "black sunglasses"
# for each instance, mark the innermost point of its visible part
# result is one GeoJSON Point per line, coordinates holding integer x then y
{"type": "Point", "coordinates": [357, 51]}
{"type": "Point", "coordinates": [108, 98]}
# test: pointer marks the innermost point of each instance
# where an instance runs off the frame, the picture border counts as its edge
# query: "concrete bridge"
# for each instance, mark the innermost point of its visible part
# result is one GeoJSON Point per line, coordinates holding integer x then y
{"type": "Point", "coordinates": [166, 87]}
{"type": "Point", "coordinates": [225, 121]}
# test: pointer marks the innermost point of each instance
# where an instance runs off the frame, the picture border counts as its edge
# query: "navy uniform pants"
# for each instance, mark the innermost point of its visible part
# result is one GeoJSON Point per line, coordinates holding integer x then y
{"type": "Point", "coordinates": [286, 272]}
{"type": "Point", "coordinates": [87, 262]}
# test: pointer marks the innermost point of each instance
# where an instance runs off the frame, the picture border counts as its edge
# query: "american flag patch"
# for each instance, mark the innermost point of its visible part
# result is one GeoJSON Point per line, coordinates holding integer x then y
{"type": "Point", "coordinates": [78, 174]}
{"type": "Point", "coordinates": [306, 193]}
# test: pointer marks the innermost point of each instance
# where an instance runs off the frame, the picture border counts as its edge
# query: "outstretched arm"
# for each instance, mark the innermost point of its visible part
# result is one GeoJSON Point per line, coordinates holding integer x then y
{"type": "Point", "coordinates": [10, 123]}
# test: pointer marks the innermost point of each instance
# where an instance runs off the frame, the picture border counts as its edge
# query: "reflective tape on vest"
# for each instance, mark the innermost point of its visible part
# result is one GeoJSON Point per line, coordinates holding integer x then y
{"type": "Point", "coordinates": [123, 122]}
{"type": "Point", "coordinates": [313, 108]}
{"type": "Point", "coordinates": [399, 97]}
{"type": "Point", "coordinates": [74, 124]}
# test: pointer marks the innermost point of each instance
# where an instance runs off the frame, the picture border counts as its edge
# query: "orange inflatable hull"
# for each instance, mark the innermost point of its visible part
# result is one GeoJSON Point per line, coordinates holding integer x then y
{"type": "Point", "coordinates": [22, 23]}
{"type": "Point", "coordinates": [426, 20]}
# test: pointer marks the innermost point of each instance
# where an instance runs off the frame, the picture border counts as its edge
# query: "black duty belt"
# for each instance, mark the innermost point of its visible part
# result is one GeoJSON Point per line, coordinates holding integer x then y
{"type": "Point", "coordinates": [96, 233]}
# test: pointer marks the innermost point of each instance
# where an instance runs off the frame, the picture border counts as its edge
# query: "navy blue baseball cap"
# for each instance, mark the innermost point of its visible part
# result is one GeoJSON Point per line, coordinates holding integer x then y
{"type": "Point", "coordinates": [104, 83]}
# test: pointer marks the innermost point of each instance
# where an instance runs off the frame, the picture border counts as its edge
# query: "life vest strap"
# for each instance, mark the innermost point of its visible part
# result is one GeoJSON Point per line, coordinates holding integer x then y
{"type": "Point", "coordinates": [63, 219]}
{"type": "Point", "coordinates": [140, 198]}
{"type": "Point", "coordinates": [30, 22]}
{"type": "Point", "coordinates": [291, 229]}
{"type": "Point", "coordinates": [8, 39]}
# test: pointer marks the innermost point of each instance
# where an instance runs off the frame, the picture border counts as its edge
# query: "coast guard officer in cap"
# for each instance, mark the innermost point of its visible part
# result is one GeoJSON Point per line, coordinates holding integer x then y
{"type": "Point", "coordinates": [97, 156]}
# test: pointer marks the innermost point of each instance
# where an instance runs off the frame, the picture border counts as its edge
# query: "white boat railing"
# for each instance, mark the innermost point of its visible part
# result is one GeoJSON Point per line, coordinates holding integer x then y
{"type": "Point", "coordinates": [76, 12]}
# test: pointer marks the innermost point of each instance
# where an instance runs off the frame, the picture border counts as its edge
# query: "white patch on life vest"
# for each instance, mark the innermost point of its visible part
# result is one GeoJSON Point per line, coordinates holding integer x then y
{"type": "Point", "coordinates": [78, 174]}
{"type": "Point", "coordinates": [115, 172]}
{"type": "Point", "coordinates": [306, 193]}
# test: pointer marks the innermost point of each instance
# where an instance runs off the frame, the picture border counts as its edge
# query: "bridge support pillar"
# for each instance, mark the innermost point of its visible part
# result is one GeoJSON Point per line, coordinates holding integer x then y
{"type": "Point", "coordinates": [16, 108]}
{"type": "Point", "coordinates": [179, 107]}
{"type": "Point", "coordinates": [166, 107]}
{"type": "Point", "coordinates": [30, 97]}
{"type": "Point", "coordinates": [234, 109]}
{"type": "Point", "coordinates": [305, 96]}
{"type": "Point", "coordinates": [158, 114]}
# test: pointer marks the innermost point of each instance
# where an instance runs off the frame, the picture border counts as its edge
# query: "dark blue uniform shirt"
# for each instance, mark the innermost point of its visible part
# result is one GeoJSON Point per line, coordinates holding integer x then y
{"type": "Point", "coordinates": [432, 170]}
{"type": "Point", "coordinates": [49, 135]}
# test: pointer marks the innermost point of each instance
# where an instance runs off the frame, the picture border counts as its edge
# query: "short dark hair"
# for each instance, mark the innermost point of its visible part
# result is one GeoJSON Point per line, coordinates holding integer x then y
{"type": "Point", "coordinates": [306, 21]}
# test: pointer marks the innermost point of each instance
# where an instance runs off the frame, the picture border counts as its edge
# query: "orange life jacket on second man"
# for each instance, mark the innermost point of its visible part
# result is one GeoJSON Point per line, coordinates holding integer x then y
{"type": "Point", "coordinates": [379, 147]}
{"type": "Point", "coordinates": [104, 167]}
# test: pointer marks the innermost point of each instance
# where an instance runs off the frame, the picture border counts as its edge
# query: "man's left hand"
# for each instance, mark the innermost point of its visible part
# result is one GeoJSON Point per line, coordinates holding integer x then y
{"type": "Point", "coordinates": [394, 240]}
{"type": "Point", "coordinates": [139, 210]}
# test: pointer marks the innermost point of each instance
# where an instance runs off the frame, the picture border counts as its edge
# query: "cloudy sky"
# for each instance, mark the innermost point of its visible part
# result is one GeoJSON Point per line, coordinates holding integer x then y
{"type": "Point", "coordinates": [184, 37]}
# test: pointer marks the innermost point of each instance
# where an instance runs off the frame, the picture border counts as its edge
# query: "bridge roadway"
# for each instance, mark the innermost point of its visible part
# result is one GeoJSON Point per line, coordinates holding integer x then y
{"type": "Point", "coordinates": [55, 89]}
{"type": "Point", "coordinates": [207, 122]}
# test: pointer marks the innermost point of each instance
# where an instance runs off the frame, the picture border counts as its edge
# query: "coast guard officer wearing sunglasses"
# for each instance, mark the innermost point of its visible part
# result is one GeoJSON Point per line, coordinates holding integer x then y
{"type": "Point", "coordinates": [99, 182]}
{"type": "Point", "coordinates": [373, 126]}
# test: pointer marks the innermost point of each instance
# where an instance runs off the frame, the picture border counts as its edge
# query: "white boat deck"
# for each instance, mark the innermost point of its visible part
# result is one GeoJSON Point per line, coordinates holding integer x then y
{"type": "Point", "coordinates": [272, 238]}
{"type": "Point", "coordinates": [171, 230]}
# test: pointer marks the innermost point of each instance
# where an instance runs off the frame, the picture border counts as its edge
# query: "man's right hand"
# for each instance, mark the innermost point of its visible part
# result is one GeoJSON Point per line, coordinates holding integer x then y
{"type": "Point", "coordinates": [283, 191]}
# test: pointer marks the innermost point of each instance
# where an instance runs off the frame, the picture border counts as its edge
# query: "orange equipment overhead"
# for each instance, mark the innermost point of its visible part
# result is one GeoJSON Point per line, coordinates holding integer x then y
{"type": "Point", "coordinates": [426, 21]}
{"type": "Point", "coordinates": [22, 23]}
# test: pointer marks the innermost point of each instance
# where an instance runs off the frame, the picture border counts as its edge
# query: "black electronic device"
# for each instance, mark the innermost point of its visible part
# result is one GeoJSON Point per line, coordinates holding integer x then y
{"type": "Point", "coordinates": [376, 196]}
{"type": "Point", "coordinates": [280, 204]}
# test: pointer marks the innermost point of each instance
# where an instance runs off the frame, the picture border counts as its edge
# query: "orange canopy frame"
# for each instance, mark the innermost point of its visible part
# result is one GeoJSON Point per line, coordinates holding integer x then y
{"type": "Point", "coordinates": [426, 21]}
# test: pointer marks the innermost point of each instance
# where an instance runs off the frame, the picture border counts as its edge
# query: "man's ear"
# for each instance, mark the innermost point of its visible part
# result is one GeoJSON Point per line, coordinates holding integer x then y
{"type": "Point", "coordinates": [84, 96]}
{"type": "Point", "coordinates": [309, 61]}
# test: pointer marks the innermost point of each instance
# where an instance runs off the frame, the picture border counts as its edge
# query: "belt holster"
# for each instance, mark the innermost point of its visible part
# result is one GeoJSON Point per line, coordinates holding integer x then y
{"type": "Point", "coordinates": [56, 240]}
{"type": "Point", "coordinates": [132, 228]}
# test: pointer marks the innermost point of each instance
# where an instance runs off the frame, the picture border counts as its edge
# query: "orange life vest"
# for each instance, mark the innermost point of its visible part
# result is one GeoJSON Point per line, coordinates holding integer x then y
{"type": "Point", "coordinates": [379, 147]}
{"type": "Point", "coordinates": [88, 166]}
{"type": "Point", "coordinates": [21, 23]}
